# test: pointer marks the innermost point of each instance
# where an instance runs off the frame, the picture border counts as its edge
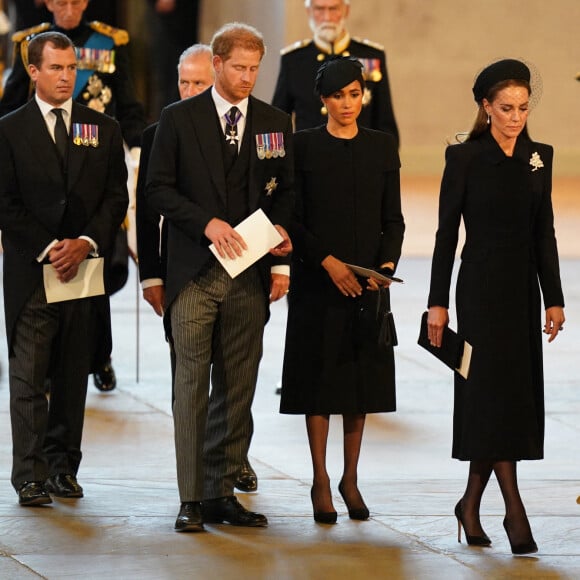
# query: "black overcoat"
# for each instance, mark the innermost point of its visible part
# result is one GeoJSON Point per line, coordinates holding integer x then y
{"type": "Point", "coordinates": [348, 205]}
{"type": "Point", "coordinates": [510, 253]}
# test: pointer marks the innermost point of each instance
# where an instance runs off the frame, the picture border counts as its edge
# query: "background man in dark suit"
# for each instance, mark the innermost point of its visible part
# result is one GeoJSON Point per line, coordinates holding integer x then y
{"type": "Point", "coordinates": [63, 195]}
{"type": "Point", "coordinates": [104, 84]}
{"type": "Point", "coordinates": [294, 91]}
{"type": "Point", "coordinates": [216, 159]}
{"type": "Point", "coordinates": [195, 75]}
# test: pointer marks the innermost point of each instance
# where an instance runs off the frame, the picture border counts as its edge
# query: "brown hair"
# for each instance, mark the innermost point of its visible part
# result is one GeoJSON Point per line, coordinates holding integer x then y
{"type": "Point", "coordinates": [236, 35]}
{"type": "Point", "coordinates": [38, 42]}
{"type": "Point", "coordinates": [480, 126]}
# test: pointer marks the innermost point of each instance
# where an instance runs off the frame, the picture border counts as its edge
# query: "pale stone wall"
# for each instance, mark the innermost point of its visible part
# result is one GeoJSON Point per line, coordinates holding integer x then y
{"type": "Point", "coordinates": [434, 49]}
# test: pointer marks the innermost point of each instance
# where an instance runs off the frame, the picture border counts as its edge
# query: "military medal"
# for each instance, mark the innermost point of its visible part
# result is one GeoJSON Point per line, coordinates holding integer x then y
{"type": "Point", "coordinates": [371, 69]}
{"type": "Point", "coordinates": [85, 134]}
{"type": "Point", "coordinates": [280, 140]}
{"type": "Point", "coordinates": [275, 149]}
{"type": "Point", "coordinates": [268, 142]}
{"type": "Point", "coordinates": [260, 149]}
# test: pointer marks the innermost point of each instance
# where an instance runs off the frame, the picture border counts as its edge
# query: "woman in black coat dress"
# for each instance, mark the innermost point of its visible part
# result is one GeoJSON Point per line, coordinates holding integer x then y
{"type": "Point", "coordinates": [499, 182]}
{"type": "Point", "coordinates": [348, 211]}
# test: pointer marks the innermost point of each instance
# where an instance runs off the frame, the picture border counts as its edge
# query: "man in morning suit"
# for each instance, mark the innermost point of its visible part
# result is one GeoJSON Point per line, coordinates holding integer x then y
{"type": "Point", "coordinates": [103, 84]}
{"type": "Point", "coordinates": [216, 159]}
{"type": "Point", "coordinates": [63, 195]}
{"type": "Point", "coordinates": [195, 75]}
{"type": "Point", "coordinates": [299, 62]}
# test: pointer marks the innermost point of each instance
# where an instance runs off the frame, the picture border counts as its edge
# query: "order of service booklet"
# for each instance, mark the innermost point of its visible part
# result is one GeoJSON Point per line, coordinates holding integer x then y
{"type": "Point", "coordinates": [454, 351]}
{"type": "Point", "coordinates": [370, 273]}
{"type": "Point", "coordinates": [260, 237]}
{"type": "Point", "coordinates": [88, 282]}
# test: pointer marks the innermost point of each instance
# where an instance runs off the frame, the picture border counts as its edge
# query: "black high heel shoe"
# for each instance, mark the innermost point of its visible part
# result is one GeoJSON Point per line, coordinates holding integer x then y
{"type": "Point", "coordinates": [322, 517]}
{"type": "Point", "coordinates": [529, 547]}
{"type": "Point", "coordinates": [360, 513]}
{"type": "Point", "coordinates": [471, 540]}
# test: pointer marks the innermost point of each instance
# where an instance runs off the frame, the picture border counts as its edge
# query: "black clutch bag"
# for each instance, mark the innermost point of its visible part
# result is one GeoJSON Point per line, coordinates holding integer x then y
{"type": "Point", "coordinates": [455, 352]}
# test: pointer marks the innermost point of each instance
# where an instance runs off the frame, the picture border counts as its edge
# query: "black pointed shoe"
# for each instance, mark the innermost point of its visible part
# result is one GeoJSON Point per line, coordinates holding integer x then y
{"type": "Point", "coordinates": [229, 509]}
{"type": "Point", "coordinates": [246, 479]}
{"type": "Point", "coordinates": [33, 493]}
{"type": "Point", "coordinates": [189, 518]}
{"type": "Point", "coordinates": [63, 485]}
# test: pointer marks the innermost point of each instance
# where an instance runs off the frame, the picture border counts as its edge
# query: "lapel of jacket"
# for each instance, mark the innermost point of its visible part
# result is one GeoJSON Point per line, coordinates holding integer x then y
{"type": "Point", "coordinates": [207, 127]}
{"type": "Point", "coordinates": [41, 144]}
{"type": "Point", "coordinates": [76, 153]}
{"type": "Point", "coordinates": [254, 127]}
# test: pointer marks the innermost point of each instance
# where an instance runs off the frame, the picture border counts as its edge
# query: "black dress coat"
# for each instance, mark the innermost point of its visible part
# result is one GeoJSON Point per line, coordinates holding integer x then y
{"type": "Point", "coordinates": [294, 92]}
{"type": "Point", "coordinates": [348, 205]}
{"type": "Point", "coordinates": [38, 204]}
{"type": "Point", "coordinates": [510, 253]}
{"type": "Point", "coordinates": [186, 182]}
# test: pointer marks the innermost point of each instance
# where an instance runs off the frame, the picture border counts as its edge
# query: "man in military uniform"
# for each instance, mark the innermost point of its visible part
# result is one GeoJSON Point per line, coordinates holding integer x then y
{"type": "Point", "coordinates": [299, 62]}
{"type": "Point", "coordinates": [103, 83]}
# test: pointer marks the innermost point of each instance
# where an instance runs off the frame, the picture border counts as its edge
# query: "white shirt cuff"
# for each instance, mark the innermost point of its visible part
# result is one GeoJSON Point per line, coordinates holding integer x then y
{"type": "Point", "coordinates": [281, 269]}
{"type": "Point", "coordinates": [150, 282]}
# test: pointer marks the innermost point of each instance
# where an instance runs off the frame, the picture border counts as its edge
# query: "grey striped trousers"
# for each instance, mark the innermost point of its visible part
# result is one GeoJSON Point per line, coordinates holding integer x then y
{"type": "Point", "coordinates": [217, 329]}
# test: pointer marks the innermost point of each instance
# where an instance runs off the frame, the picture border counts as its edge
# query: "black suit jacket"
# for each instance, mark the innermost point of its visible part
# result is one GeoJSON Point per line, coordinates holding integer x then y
{"type": "Point", "coordinates": [151, 249]}
{"type": "Point", "coordinates": [186, 181]}
{"type": "Point", "coordinates": [36, 198]}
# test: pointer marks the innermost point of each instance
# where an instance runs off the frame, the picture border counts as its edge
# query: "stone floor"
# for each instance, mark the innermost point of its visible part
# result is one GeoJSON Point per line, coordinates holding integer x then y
{"type": "Point", "coordinates": [123, 528]}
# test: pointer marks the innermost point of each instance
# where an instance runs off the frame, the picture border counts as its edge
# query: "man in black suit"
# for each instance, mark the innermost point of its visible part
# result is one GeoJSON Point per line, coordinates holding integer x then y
{"type": "Point", "coordinates": [63, 195]}
{"type": "Point", "coordinates": [195, 75]}
{"type": "Point", "coordinates": [104, 84]}
{"type": "Point", "coordinates": [216, 159]}
{"type": "Point", "coordinates": [299, 62]}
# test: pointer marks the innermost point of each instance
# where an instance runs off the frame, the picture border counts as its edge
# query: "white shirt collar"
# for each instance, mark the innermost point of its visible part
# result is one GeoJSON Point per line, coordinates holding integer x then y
{"type": "Point", "coordinates": [46, 108]}
{"type": "Point", "coordinates": [222, 106]}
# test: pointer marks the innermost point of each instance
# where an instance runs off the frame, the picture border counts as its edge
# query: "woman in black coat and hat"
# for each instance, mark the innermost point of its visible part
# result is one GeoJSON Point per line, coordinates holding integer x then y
{"type": "Point", "coordinates": [499, 181]}
{"type": "Point", "coordinates": [348, 212]}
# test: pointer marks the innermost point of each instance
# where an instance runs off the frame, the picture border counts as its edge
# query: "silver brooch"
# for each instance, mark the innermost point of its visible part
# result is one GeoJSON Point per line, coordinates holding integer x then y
{"type": "Point", "coordinates": [535, 161]}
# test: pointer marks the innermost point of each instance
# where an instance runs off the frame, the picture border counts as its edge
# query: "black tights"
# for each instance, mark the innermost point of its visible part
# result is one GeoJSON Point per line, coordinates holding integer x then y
{"type": "Point", "coordinates": [515, 512]}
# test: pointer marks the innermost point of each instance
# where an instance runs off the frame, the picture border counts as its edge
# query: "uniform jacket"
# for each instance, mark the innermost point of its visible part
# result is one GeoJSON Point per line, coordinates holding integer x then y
{"type": "Point", "coordinates": [109, 88]}
{"type": "Point", "coordinates": [294, 91]}
{"type": "Point", "coordinates": [35, 195]}
{"type": "Point", "coordinates": [186, 180]}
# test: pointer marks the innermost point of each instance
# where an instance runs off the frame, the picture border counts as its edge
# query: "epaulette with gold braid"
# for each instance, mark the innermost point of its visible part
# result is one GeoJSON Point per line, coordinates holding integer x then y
{"type": "Point", "coordinates": [369, 43]}
{"type": "Point", "coordinates": [118, 35]}
{"type": "Point", "coordinates": [20, 35]}
{"type": "Point", "coordinates": [295, 46]}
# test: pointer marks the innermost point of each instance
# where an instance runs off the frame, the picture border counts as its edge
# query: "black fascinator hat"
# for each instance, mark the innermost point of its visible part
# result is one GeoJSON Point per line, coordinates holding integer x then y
{"type": "Point", "coordinates": [338, 72]}
{"type": "Point", "coordinates": [502, 70]}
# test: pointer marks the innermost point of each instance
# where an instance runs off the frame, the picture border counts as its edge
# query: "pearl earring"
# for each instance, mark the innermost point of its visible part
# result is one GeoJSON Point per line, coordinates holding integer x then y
{"type": "Point", "coordinates": [488, 118]}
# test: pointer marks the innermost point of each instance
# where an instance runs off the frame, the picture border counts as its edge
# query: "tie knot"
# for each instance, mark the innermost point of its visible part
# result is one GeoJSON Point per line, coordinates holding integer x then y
{"type": "Point", "coordinates": [58, 113]}
{"type": "Point", "coordinates": [233, 116]}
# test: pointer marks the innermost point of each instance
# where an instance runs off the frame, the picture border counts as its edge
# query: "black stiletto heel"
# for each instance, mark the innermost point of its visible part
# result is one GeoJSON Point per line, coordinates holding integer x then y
{"type": "Point", "coordinates": [471, 540]}
{"type": "Point", "coordinates": [322, 517]}
{"type": "Point", "coordinates": [360, 513]}
{"type": "Point", "coordinates": [529, 547]}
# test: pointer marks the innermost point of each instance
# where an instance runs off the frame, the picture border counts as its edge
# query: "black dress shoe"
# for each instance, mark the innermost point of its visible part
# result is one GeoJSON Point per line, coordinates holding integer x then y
{"type": "Point", "coordinates": [189, 518]}
{"type": "Point", "coordinates": [246, 480]}
{"type": "Point", "coordinates": [228, 509]}
{"type": "Point", "coordinates": [33, 493]}
{"type": "Point", "coordinates": [104, 378]}
{"type": "Point", "coordinates": [63, 485]}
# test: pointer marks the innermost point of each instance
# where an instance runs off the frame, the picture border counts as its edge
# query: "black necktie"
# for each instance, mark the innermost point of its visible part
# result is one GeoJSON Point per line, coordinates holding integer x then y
{"type": "Point", "coordinates": [60, 136]}
{"type": "Point", "coordinates": [232, 117]}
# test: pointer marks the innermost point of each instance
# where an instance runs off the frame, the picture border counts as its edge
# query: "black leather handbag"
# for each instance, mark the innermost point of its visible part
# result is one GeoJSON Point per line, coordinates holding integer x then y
{"type": "Point", "coordinates": [375, 322]}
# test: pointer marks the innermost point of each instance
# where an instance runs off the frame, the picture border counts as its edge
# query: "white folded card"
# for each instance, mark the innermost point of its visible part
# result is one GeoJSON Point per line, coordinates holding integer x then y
{"type": "Point", "coordinates": [260, 237]}
{"type": "Point", "coordinates": [88, 282]}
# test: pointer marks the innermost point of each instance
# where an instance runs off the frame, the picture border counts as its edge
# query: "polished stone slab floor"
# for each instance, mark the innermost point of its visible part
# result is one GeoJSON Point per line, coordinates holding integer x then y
{"type": "Point", "coordinates": [123, 527]}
